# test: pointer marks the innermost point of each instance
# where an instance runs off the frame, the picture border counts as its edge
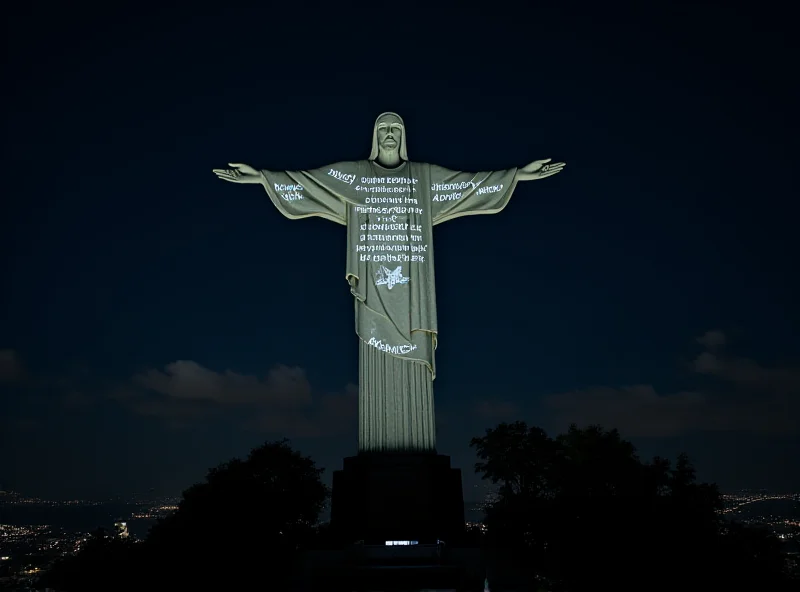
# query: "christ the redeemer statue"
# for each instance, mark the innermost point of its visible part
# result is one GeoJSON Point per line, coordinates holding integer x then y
{"type": "Point", "coordinates": [390, 206]}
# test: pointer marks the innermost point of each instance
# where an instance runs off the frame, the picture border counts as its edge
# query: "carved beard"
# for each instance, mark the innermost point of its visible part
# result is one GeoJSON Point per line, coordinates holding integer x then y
{"type": "Point", "coordinates": [389, 156]}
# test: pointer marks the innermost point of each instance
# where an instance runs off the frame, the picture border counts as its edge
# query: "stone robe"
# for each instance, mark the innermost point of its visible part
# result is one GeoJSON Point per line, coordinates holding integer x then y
{"type": "Point", "coordinates": [389, 215]}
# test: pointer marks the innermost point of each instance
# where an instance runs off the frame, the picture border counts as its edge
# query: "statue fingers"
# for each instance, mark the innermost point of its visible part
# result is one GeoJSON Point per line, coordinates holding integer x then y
{"type": "Point", "coordinates": [553, 168]}
{"type": "Point", "coordinates": [549, 173]}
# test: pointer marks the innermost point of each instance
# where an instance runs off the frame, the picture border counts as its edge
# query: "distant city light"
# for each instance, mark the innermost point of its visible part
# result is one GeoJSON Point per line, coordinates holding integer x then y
{"type": "Point", "coordinates": [44, 544]}
{"type": "Point", "coordinates": [122, 529]}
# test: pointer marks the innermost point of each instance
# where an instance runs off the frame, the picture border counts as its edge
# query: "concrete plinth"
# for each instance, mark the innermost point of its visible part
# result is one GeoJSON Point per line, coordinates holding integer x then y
{"type": "Point", "coordinates": [379, 497]}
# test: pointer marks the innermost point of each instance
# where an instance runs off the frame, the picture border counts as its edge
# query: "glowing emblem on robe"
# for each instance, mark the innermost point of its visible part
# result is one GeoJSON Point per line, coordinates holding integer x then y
{"type": "Point", "coordinates": [384, 277]}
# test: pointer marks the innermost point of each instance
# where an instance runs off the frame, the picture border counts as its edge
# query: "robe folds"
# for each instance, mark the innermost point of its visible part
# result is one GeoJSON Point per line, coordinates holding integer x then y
{"type": "Point", "coordinates": [389, 215]}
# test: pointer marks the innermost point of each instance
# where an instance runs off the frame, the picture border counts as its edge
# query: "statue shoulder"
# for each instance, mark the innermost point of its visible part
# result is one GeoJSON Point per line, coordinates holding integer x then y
{"type": "Point", "coordinates": [349, 165]}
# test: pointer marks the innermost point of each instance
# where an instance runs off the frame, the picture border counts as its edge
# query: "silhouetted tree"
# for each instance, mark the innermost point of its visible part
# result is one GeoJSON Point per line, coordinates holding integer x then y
{"type": "Point", "coordinates": [519, 458]}
{"type": "Point", "coordinates": [244, 524]}
{"type": "Point", "coordinates": [583, 512]}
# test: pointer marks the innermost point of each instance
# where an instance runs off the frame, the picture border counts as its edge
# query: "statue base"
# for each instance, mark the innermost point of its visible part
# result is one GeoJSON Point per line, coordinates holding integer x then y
{"type": "Point", "coordinates": [415, 567]}
{"type": "Point", "coordinates": [380, 497]}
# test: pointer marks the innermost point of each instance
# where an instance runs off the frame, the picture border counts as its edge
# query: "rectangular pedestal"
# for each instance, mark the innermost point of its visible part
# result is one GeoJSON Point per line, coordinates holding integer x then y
{"type": "Point", "coordinates": [381, 497]}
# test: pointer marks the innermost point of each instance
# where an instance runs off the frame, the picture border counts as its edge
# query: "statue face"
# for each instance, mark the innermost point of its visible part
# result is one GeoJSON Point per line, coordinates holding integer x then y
{"type": "Point", "coordinates": [390, 133]}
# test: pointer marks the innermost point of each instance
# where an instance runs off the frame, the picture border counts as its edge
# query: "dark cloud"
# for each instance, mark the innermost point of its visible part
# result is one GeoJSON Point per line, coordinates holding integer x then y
{"type": "Point", "coordinates": [326, 415]}
{"type": "Point", "coordinates": [11, 369]}
{"type": "Point", "coordinates": [746, 397]}
{"type": "Point", "coordinates": [712, 339]}
{"type": "Point", "coordinates": [745, 373]}
{"type": "Point", "coordinates": [188, 380]}
{"type": "Point", "coordinates": [283, 402]}
{"type": "Point", "coordinates": [635, 410]}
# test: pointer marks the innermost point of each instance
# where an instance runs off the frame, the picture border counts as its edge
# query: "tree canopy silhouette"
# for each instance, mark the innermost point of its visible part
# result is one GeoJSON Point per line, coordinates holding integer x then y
{"type": "Point", "coordinates": [245, 523]}
{"type": "Point", "coordinates": [583, 511]}
{"type": "Point", "coordinates": [577, 512]}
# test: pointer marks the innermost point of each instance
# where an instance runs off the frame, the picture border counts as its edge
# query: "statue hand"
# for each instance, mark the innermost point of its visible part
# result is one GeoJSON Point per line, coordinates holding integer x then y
{"type": "Point", "coordinates": [539, 169]}
{"type": "Point", "coordinates": [241, 173]}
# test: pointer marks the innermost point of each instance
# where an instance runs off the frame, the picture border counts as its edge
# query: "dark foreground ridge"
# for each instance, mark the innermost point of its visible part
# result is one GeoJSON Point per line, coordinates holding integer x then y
{"type": "Point", "coordinates": [573, 513]}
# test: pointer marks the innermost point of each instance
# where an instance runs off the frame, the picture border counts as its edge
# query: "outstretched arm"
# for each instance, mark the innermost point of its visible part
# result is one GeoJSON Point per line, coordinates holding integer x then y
{"type": "Point", "coordinates": [320, 192]}
{"type": "Point", "coordinates": [456, 194]}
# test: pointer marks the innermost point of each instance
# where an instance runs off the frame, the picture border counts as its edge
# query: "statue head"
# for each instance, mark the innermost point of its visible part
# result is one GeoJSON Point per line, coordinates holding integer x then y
{"type": "Point", "coordinates": [389, 140]}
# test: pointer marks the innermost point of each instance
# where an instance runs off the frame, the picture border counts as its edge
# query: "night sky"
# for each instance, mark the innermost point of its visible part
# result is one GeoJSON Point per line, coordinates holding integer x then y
{"type": "Point", "coordinates": [155, 321]}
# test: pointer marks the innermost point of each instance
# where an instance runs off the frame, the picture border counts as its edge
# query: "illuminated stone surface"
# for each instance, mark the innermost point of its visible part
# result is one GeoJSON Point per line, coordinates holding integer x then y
{"type": "Point", "coordinates": [389, 206]}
